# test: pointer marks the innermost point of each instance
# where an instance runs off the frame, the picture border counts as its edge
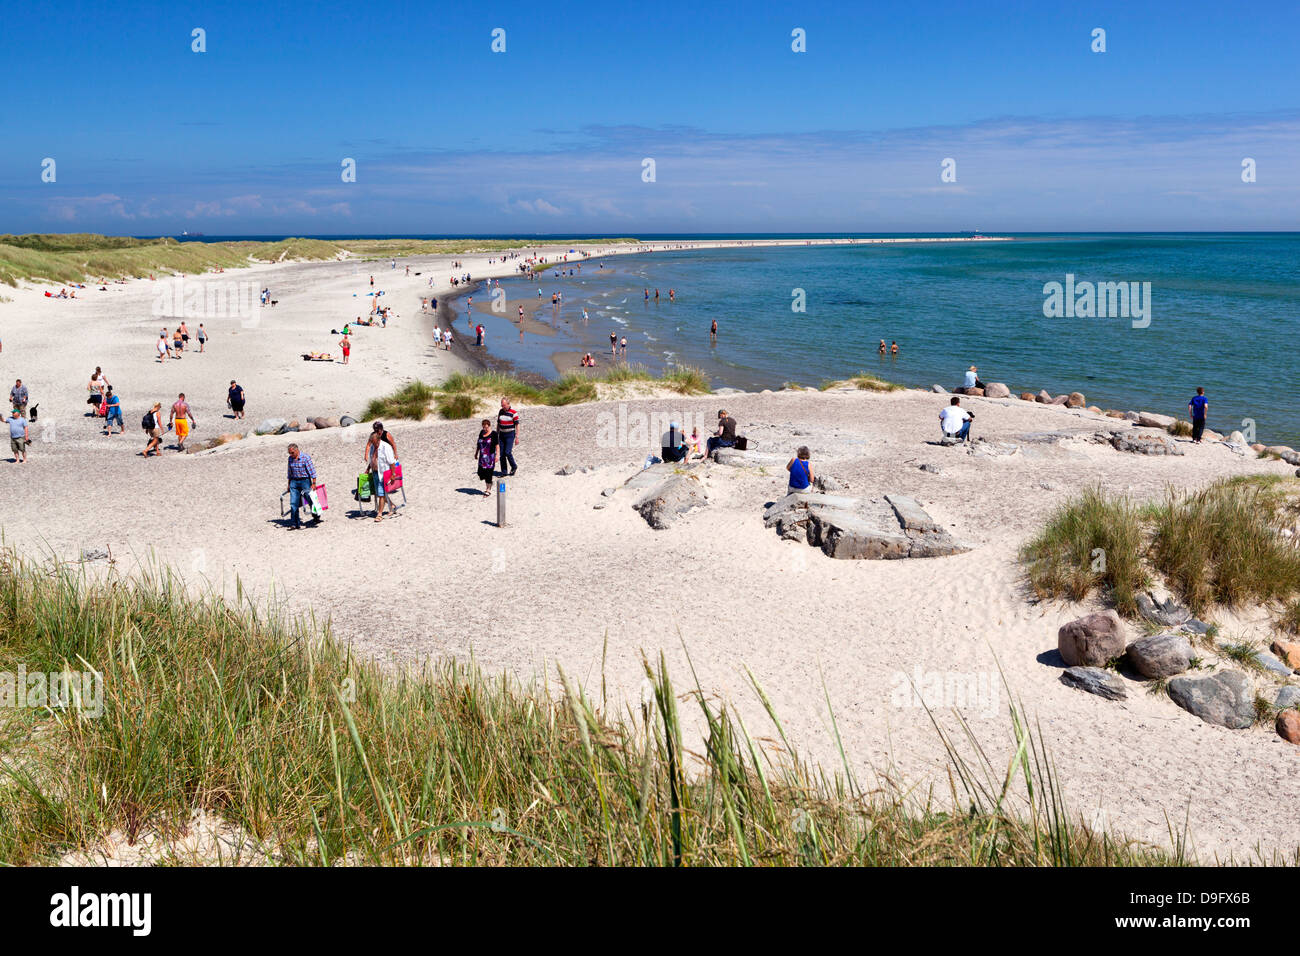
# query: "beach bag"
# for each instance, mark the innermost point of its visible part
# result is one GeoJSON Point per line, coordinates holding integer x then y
{"type": "Point", "coordinates": [147, 423]}
{"type": "Point", "coordinates": [363, 486]}
{"type": "Point", "coordinates": [312, 500]}
{"type": "Point", "coordinates": [321, 497]}
{"type": "Point", "coordinates": [742, 443]}
{"type": "Point", "coordinates": [393, 478]}
{"type": "Point", "coordinates": [103, 409]}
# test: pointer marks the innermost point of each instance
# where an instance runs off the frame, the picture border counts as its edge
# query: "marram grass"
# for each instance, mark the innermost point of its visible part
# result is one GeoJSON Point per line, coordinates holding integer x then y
{"type": "Point", "coordinates": [322, 758]}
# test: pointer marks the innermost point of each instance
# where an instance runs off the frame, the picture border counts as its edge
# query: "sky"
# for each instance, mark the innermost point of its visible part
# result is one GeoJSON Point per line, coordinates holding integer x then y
{"type": "Point", "coordinates": [249, 137]}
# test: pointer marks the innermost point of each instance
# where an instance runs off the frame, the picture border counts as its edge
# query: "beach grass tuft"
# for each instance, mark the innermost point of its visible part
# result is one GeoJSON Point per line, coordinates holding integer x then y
{"type": "Point", "coordinates": [1094, 542]}
{"type": "Point", "coordinates": [319, 758]}
{"type": "Point", "coordinates": [411, 402]}
{"type": "Point", "coordinates": [864, 381]}
{"type": "Point", "coordinates": [458, 406]}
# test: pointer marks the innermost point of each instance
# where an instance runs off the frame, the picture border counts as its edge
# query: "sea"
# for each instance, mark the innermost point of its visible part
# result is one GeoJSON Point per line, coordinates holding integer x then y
{"type": "Point", "coordinates": [1217, 310]}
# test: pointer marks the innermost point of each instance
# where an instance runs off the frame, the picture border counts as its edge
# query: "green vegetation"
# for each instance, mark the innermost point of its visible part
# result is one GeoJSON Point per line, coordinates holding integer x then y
{"type": "Point", "coordinates": [571, 389]}
{"type": "Point", "coordinates": [410, 402]}
{"type": "Point", "coordinates": [456, 406]}
{"type": "Point", "coordinates": [1092, 543]}
{"type": "Point", "coordinates": [1180, 429]}
{"type": "Point", "coordinates": [85, 257]}
{"type": "Point", "coordinates": [1289, 620]}
{"type": "Point", "coordinates": [1217, 546]}
{"type": "Point", "coordinates": [866, 382]}
{"type": "Point", "coordinates": [1221, 546]}
{"type": "Point", "coordinates": [321, 758]}
{"type": "Point", "coordinates": [684, 379]}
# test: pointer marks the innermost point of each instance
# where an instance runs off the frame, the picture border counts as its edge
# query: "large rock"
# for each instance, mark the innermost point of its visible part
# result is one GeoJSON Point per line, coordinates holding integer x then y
{"type": "Point", "coordinates": [1288, 726]}
{"type": "Point", "coordinates": [1043, 397]}
{"type": "Point", "coordinates": [1061, 400]}
{"type": "Point", "coordinates": [1288, 696]}
{"type": "Point", "coordinates": [1160, 655]}
{"type": "Point", "coordinates": [1091, 641]}
{"type": "Point", "coordinates": [1076, 400]}
{"type": "Point", "coordinates": [1095, 680]}
{"type": "Point", "coordinates": [1026, 396]}
{"type": "Point", "coordinates": [861, 529]}
{"type": "Point", "coordinates": [938, 390]}
{"type": "Point", "coordinates": [271, 426]}
{"type": "Point", "coordinates": [1225, 698]}
{"type": "Point", "coordinates": [347, 420]}
{"type": "Point", "coordinates": [670, 499]}
{"type": "Point", "coordinates": [1163, 611]}
{"type": "Point", "coordinates": [324, 422]}
{"type": "Point", "coordinates": [1145, 444]}
{"type": "Point", "coordinates": [1152, 420]}
{"type": "Point", "coordinates": [306, 427]}
{"type": "Point", "coordinates": [1288, 652]}
{"type": "Point", "coordinates": [996, 390]}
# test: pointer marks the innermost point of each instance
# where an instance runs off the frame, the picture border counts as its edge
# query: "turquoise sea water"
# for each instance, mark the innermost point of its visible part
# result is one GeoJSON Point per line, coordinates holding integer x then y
{"type": "Point", "coordinates": [1224, 313]}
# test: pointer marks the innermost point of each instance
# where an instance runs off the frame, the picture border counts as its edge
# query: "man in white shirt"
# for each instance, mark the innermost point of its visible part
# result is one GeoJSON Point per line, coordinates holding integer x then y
{"type": "Point", "coordinates": [955, 421]}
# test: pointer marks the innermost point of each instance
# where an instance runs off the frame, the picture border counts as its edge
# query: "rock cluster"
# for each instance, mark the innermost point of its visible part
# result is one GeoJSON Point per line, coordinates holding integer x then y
{"type": "Point", "coordinates": [861, 528]}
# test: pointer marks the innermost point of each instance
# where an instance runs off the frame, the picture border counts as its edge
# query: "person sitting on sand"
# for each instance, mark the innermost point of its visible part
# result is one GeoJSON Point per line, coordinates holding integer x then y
{"type": "Point", "coordinates": [673, 446]}
{"type": "Point", "coordinates": [485, 453]}
{"type": "Point", "coordinates": [801, 473]}
{"type": "Point", "coordinates": [724, 437]}
{"type": "Point", "coordinates": [955, 420]}
{"type": "Point", "coordinates": [972, 378]}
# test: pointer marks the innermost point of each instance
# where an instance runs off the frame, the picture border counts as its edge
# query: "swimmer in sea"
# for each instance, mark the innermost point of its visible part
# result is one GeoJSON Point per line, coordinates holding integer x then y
{"type": "Point", "coordinates": [882, 346]}
{"type": "Point", "coordinates": [893, 348]}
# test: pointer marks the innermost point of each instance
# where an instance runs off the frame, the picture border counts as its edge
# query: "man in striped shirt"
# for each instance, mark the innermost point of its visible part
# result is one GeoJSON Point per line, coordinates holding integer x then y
{"type": "Point", "coordinates": [507, 435]}
{"type": "Point", "coordinates": [302, 479]}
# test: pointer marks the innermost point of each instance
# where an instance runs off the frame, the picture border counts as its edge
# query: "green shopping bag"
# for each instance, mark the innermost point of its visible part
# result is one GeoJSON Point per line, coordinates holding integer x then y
{"type": "Point", "coordinates": [363, 486]}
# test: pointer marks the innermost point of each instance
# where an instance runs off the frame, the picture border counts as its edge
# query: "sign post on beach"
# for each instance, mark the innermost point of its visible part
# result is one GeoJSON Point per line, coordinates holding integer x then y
{"type": "Point", "coordinates": [501, 504]}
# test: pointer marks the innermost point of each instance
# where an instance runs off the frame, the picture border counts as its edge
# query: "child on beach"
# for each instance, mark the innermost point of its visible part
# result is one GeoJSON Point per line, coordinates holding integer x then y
{"type": "Point", "coordinates": [800, 469]}
{"type": "Point", "coordinates": [695, 441]}
{"type": "Point", "coordinates": [485, 453]}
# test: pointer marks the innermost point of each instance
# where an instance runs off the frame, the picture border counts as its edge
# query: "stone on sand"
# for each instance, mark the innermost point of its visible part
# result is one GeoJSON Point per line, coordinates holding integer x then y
{"type": "Point", "coordinates": [1095, 680]}
{"type": "Point", "coordinates": [1091, 641]}
{"type": "Point", "coordinates": [1224, 698]}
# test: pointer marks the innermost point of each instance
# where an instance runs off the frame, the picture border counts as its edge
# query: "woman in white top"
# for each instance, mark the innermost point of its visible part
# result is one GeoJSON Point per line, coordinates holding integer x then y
{"type": "Point", "coordinates": [380, 456]}
{"type": "Point", "coordinates": [98, 383]}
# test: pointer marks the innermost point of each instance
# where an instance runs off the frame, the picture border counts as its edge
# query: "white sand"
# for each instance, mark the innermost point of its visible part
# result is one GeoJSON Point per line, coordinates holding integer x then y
{"type": "Point", "coordinates": [563, 577]}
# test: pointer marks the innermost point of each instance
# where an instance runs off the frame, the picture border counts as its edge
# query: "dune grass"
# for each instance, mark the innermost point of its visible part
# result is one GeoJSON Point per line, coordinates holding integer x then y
{"type": "Point", "coordinates": [1180, 429]}
{"type": "Point", "coordinates": [1094, 542]}
{"type": "Point", "coordinates": [1221, 545]}
{"type": "Point", "coordinates": [684, 379]}
{"type": "Point", "coordinates": [457, 406]}
{"type": "Point", "coordinates": [82, 257]}
{"type": "Point", "coordinates": [1289, 620]}
{"type": "Point", "coordinates": [865, 382]}
{"type": "Point", "coordinates": [411, 402]}
{"type": "Point", "coordinates": [322, 758]}
{"type": "Point", "coordinates": [1217, 546]}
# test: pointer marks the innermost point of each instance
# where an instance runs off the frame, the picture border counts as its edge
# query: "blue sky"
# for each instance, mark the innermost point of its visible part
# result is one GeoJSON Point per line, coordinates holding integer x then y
{"type": "Point", "coordinates": [151, 138]}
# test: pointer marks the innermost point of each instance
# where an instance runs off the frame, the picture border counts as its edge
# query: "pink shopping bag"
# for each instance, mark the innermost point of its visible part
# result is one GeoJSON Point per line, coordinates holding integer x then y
{"type": "Point", "coordinates": [393, 478]}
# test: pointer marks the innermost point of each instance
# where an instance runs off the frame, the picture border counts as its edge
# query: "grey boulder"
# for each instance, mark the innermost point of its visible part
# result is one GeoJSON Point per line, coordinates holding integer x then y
{"type": "Point", "coordinates": [1160, 655]}
{"type": "Point", "coordinates": [1225, 698]}
{"type": "Point", "coordinates": [271, 426]}
{"type": "Point", "coordinates": [670, 499]}
{"type": "Point", "coordinates": [1094, 680]}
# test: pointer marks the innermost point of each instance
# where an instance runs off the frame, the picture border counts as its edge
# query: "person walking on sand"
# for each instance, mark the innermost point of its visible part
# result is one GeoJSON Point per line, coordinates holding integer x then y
{"type": "Point", "coordinates": [301, 479]}
{"type": "Point", "coordinates": [153, 428]}
{"type": "Point", "coordinates": [801, 473]}
{"type": "Point", "coordinates": [178, 344]}
{"type": "Point", "coordinates": [113, 413]}
{"type": "Point", "coordinates": [185, 335]}
{"type": "Point", "coordinates": [203, 337]}
{"type": "Point", "coordinates": [17, 423]}
{"type": "Point", "coordinates": [18, 398]}
{"type": "Point", "coordinates": [98, 383]}
{"type": "Point", "coordinates": [485, 453]}
{"type": "Point", "coordinates": [1197, 408]}
{"type": "Point", "coordinates": [507, 436]}
{"type": "Point", "coordinates": [164, 350]}
{"type": "Point", "coordinates": [380, 456]}
{"type": "Point", "coordinates": [235, 399]}
{"type": "Point", "coordinates": [181, 420]}
{"type": "Point", "coordinates": [345, 343]}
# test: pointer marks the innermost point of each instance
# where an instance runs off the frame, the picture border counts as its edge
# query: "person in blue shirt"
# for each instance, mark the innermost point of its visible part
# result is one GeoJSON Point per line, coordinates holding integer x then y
{"type": "Point", "coordinates": [114, 413]}
{"type": "Point", "coordinates": [801, 473]}
{"type": "Point", "coordinates": [1197, 408]}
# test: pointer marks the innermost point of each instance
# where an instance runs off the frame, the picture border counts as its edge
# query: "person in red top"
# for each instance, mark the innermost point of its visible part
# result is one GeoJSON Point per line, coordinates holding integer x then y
{"type": "Point", "coordinates": [507, 435]}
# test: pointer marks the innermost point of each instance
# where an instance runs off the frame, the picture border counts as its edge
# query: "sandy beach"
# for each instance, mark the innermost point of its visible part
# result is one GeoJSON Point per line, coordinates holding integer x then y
{"type": "Point", "coordinates": [578, 578]}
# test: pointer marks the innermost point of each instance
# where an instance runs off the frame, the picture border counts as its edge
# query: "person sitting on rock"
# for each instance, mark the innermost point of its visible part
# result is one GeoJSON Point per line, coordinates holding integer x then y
{"type": "Point", "coordinates": [801, 473]}
{"type": "Point", "coordinates": [724, 437]}
{"type": "Point", "coordinates": [673, 444]}
{"type": "Point", "coordinates": [955, 420]}
{"type": "Point", "coordinates": [972, 378]}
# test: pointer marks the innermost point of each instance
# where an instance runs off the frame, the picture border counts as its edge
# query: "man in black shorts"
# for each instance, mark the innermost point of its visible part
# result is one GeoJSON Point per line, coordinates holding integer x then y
{"type": "Point", "coordinates": [235, 399]}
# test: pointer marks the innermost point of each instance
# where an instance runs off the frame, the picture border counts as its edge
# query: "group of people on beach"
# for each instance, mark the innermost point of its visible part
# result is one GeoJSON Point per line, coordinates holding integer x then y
{"type": "Point", "coordinates": [179, 341]}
